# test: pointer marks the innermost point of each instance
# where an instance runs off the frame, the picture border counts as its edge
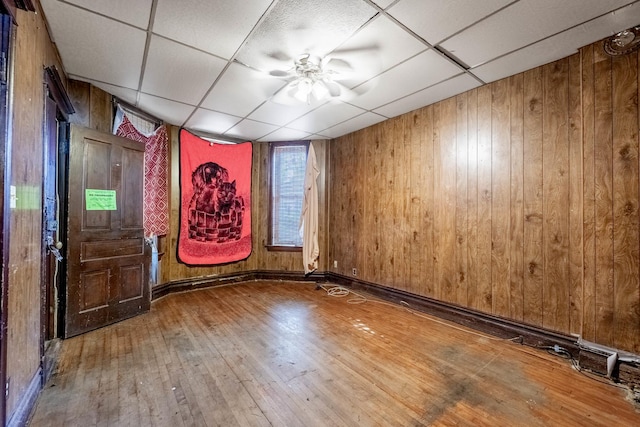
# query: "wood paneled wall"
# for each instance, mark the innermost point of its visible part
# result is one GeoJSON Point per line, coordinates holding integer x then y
{"type": "Point", "coordinates": [93, 110]}
{"type": "Point", "coordinates": [518, 199]}
{"type": "Point", "coordinates": [33, 52]}
{"type": "Point", "coordinates": [260, 258]}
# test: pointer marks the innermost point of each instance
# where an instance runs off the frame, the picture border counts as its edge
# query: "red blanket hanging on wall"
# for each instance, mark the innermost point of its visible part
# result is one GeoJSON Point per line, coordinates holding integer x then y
{"type": "Point", "coordinates": [156, 193]}
{"type": "Point", "coordinates": [215, 197]}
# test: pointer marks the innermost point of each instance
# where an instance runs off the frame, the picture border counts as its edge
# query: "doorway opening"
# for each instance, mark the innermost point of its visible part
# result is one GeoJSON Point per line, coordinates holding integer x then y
{"type": "Point", "coordinates": [57, 109]}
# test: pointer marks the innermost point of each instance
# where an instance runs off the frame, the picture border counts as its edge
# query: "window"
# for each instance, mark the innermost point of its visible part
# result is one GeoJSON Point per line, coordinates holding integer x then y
{"type": "Point", "coordinates": [288, 163]}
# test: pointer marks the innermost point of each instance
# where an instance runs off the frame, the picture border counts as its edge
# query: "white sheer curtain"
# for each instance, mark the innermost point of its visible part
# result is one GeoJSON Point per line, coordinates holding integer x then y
{"type": "Point", "coordinates": [309, 217]}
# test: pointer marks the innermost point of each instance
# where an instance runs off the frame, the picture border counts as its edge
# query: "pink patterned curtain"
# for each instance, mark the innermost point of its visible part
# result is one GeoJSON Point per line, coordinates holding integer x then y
{"type": "Point", "coordinates": [156, 159]}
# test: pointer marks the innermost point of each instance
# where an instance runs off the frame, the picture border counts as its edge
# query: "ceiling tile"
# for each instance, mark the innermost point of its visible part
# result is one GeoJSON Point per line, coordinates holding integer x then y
{"type": "Point", "coordinates": [429, 96]}
{"type": "Point", "coordinates": [127, 95]}
{"type": "Point", "coordinates": [435, 20]}
{"type": "Point", "coordinates": [250, 130]}
{"type": "Point", "coordinates": [326, 116]}
{"type": "Point", "coordinates": [419, 72]}
{"type": "Point", "coordinates": [285, 134]}
{"type": "Point", "coordinates": [279, 114]}
{"type": "Point", "coordinates": [378, 46]}
{"type": "Point", "coordinates": [103, 44]}
{"type": "Point", "coordinates": [383, 3]}
{"type": "Point", "coordinates": [240, 90]}
{"type": "Point", "coordinates": [559, 46]}
{"type": "Point", "coordinates": [211, 121]}
{"type": "Point", "coordinates": [294, 27]}
{"type": "Point", "coordinates": [218, 27]}
{"type": "Point", "coordinates": [132, 12]}
{"type": "Point", "coordinates": [362, 121]}
{"type": "Point", "coordinates": [317, 137]}
{"type": "Point", "coordinates": [174, 113]}
{"type": "Point", "coordinates": [521, 24]}
{"type": "Point", "coordinates": [177, 72]}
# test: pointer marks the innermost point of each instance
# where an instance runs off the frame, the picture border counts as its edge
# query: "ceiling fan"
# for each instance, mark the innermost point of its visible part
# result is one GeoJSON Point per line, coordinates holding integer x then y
{"type": "Point", "coordinates": [313, 79]}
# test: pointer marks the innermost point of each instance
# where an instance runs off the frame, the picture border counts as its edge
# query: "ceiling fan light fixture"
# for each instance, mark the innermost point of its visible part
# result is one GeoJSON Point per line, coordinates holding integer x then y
{"type": "Point", "coordinates": [319, 90]}
{"type": "Point", "coordinates": [311, 80]}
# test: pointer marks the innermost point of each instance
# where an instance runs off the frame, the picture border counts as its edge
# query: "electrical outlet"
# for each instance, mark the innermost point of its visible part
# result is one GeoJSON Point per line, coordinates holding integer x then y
{"type": "Point", "coordinates": [354, 271]}
{"type": "Point", "coordinates": [335, 263]}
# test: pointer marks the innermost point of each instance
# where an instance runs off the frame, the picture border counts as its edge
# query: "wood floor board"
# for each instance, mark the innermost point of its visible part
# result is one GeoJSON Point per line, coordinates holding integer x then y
{"type": "Point", "coordinates": [285, 354]}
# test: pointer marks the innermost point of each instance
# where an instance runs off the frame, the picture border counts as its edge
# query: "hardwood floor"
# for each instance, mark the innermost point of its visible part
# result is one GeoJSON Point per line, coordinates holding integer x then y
{"type": "Point", "coordinates": [285, 354]}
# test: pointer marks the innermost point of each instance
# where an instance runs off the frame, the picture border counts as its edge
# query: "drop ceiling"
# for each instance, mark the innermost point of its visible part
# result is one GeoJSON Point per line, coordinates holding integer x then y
{"type": "Point", "coordinates": [208, 65]}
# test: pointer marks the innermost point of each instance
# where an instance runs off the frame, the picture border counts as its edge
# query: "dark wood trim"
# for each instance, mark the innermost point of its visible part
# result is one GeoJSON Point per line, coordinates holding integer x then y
{"type": "Point", "coordinates": [273, 248]}
{"type": "Point", "coordinates": [7, 35]}
{"type": "Point", "coordinates": [27, 5]}
{"type": "Point", "coordinates": [492, 325]}
{"type": "Point", "coordinates": [496, 326]}
{"type": "Point", "coordinates": [57, 91]}
{"type": "Point", "coordinates": [226, 279]}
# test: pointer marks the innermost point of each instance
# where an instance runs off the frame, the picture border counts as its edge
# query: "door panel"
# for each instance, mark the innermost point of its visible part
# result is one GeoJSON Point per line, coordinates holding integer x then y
{"type": "Point", "coordinates": [107, 276]}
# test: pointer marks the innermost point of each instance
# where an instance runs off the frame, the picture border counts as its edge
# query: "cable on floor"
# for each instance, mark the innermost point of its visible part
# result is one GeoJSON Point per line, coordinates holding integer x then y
{"type": "Point", "coordinates": [340, 292]}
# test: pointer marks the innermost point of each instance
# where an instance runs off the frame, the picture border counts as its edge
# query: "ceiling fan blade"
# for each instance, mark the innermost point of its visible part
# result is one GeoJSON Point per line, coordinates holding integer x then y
{"type": "Point", "coordinates": [285, 95]}
{"type": "Point", "coordinates": [282, 73]}
{"type": "Point", "coordinates": [371, 48]}
{"type": "Point", "coordinates": [338, 90]}
{"type": "Point", "coordinates": [337, 64]}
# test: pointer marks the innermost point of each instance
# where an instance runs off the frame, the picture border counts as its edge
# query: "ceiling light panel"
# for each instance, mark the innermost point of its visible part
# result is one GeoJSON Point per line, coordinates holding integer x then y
{"type": "Point", "coordinates": [135, 13]}
{"type": "Point", "coordinates": [104, 42]}
{"type": "Point", "coordinates": [435, 20]}
{"type": "Point", "coordinates": [419, 72]}
{"type": "Point", "coordinates": [294, 27]}
{"type": "Point", "coordinates": [521, 24]}
{"type": "Point", "coordinates": [179, 72]}
{"type": "Point", "coordinates": [218, 27]}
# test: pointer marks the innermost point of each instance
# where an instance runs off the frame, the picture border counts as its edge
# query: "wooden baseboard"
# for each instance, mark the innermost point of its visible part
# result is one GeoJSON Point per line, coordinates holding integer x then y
{"type": "Point", "coordinates": [504, 328]}
{"type": "Point", "coordinates": [227, 279]}
{"type": "Point", "coordinates": [20, 415]}
{"type": "Point", "coordinates": [492, 325]}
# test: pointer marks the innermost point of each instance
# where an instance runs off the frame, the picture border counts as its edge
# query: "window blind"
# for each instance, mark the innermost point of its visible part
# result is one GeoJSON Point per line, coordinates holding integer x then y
{"type": "Point", "coordinates": [288, 170]}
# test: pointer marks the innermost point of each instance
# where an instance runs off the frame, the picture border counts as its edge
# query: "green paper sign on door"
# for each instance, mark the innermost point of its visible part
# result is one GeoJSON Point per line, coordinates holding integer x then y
{"type": "Point", "coordinates": [100, 200]}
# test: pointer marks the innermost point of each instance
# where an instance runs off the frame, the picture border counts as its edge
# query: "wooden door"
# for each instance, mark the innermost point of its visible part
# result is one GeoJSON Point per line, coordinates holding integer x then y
{"type": "Point", "coordinates": [107, 259]}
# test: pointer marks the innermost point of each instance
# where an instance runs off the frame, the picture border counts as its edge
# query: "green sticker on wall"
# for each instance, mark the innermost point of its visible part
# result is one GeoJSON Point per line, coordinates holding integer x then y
{"type": "Point", "coordinates": [100, 200]}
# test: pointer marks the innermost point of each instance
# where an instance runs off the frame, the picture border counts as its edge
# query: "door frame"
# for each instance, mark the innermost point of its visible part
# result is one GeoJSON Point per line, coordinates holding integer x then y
{"type": "Point", "coordinates": [7, 37]}
{"type": "Point", "coordinates": [55, 150]}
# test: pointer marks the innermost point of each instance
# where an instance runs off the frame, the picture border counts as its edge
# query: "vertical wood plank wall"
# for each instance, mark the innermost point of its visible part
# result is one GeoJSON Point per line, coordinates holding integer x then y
{"type": "Point", "coordinates": [518, 199]}
{"type": "Point", "coordinates": [94, 110]}
{"type": "Point", "coordinates": [33, 53]}
{"type": "Point", "coordinates": [260, 258]}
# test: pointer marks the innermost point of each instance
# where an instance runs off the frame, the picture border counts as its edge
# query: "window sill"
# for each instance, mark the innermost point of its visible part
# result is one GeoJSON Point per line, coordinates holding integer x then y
{"type": "Point", "coordinates": [273, 248]}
